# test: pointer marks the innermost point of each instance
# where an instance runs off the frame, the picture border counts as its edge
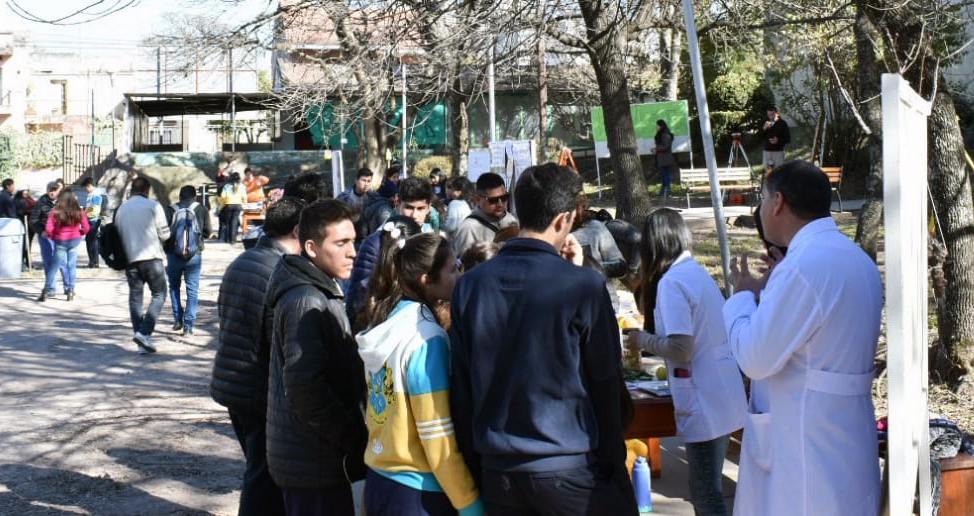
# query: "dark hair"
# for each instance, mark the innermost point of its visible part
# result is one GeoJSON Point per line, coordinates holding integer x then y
{"type": "Point", "coordinates": [436, 173]}
{"type": "Point", "coordinates": [248, 171]}
{"type": "Point", "coordinates": [464, 186]}
{"type": "Point", "coordinates": [53, 186]}
{"type": "Point", "coordinates": [805, 188]}
{"type": "Point", "coordinates": [380, 284]}
{"type": "Point", "coordinates": [661, 132]}
{"type": "Point", "coordinates": [67, 211]}
{"type": "Point", "coordinates": [423, 253]}
{"type": "Point", "coordinates": [543, 192]}
{"type": "Point", "coordinates": [665, 237]}
{"type": "Point", "coordinates": [772, 108]}
{"type": "Point", "coordinates": [7, 182]}
{"type": "Point", "coordinates": [362, 172]}
{"type": "Point", "coordinates": [187, 192]}
{"type": "Point", "coordinates": [506, 233]}
{"type": "Point", "coordinates": [414, 189]}
{"type": "Point", "coordinates": [140, 185]}
{"type": "Point", "coordinates": [283, 216]}
{"type": "Point", "coordinates": [478, 254]}
{"type": "Point", "coordinates": [87, 181]}
{"type": "Point", "coordinates": [235, 177]}
{"type": "Point", "coordinates": [310, 187]}
{"type": "Point", "coordinates": [582, 213]}
{"type": "Point", "coordinates": [317, 216]}
{"type": "Point", "coordinates": [489, 181]}
{"type": "Point", "coordinates": [392, 171]}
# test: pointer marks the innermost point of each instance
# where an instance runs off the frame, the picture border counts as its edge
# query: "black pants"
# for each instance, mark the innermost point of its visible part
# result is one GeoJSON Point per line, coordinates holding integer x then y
{"type": "Point", "coordinates": [233, 221]}
{"type": "Point", "coordinates": [91, 242]}
{"type": "Point", "coordinates": [326, 501]}
{"type": "Point", "coordinates": [386, 497]}
{"type": "Point", "coordinates": [568, 492]}
{"type": "Point", "coordinates": [259, 495]}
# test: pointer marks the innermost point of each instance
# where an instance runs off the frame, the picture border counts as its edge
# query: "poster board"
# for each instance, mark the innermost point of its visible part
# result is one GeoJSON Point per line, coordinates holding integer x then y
{"type": "Point", "coordinates": [676, 114]}
{"type": "Point", "coordinates": [905, 218]}
{"type": "Point", "coordinates": [478, 163]}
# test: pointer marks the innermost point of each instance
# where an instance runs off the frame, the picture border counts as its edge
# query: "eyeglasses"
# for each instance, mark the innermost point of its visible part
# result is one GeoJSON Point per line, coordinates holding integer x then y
{"type": "Point", "coordinates": [498, 198]}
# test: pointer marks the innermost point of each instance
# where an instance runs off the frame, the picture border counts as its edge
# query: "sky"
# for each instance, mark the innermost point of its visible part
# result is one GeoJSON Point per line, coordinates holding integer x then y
{"type": "Point", "coordinates": [125, 28]}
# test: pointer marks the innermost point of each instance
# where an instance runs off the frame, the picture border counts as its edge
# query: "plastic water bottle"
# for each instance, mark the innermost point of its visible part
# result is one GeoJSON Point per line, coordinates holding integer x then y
{"type": "Point", "coordinates": [640, 485]}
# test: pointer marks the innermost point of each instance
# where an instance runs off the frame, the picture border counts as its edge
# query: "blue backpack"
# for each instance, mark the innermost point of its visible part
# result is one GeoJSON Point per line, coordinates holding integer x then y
{"type": "Point", "coordinates": [185, 230]}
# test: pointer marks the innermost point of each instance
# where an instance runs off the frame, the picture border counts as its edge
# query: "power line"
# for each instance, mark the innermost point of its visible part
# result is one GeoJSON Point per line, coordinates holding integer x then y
{"type": "Point", "coordinates": [71, 19]}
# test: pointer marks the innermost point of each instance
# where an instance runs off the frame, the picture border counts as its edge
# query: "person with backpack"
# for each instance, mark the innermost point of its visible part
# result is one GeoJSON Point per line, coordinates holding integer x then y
{"type": "Point", "coordinates": [189, 224]}
{"type": "Point", "coordinates": [140, 226]}
{"type": "Point", "coordinates": [232, 199]}
{"type": "Point", "coordinates": [94, 202]}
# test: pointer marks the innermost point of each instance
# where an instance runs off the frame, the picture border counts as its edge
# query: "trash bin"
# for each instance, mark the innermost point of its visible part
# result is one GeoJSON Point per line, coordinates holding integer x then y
{"type": "Point", "coordinates": [11, 248]}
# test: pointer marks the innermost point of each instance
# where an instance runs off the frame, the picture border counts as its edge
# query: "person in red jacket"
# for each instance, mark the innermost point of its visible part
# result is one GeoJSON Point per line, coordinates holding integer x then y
{"type": "Point", "coordinates": [66, 226]}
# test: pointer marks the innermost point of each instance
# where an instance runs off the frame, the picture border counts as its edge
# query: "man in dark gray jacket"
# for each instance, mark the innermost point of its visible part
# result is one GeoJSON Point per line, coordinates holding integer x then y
{"type": "Point", "coordinates": [315, 426]}
{"type": "Point", "coordinates": [243, 355]}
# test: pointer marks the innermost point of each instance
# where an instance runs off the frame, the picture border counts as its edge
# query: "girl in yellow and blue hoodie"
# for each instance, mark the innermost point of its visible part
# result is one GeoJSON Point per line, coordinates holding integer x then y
{"type": "Point", "coordinates": [415, 465]}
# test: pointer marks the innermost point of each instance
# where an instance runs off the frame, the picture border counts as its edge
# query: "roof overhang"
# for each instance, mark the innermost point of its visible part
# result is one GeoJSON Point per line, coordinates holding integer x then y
{"type": "Point", "coordinates": [173, 104]}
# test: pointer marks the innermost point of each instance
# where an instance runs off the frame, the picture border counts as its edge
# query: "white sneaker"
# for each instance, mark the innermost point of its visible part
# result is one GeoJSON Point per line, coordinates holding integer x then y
{"type": "Point", "coordinates": [145, 346]}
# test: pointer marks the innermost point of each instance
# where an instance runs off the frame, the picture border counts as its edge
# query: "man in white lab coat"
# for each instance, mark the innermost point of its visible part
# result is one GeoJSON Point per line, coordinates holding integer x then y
{"type": "Point", "coordinates": [805, 332]}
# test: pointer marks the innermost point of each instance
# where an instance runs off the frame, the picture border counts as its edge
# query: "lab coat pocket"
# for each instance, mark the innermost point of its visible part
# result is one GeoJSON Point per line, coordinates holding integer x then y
{"type": "Point", "coordinates": [686, 407]}
{"type": "Point", "coordinates": [757, 438]}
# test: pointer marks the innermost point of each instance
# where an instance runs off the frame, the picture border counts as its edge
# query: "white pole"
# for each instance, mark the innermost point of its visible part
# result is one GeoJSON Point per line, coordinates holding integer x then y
{"type": "Point", "coordinates": [598, 173]}
{"type": "Point", "coordinates": [708, 141]}
{"type": "Point", "coordinates": [402, 66]}
{"type": "Point", "coordinates": [491, 107]}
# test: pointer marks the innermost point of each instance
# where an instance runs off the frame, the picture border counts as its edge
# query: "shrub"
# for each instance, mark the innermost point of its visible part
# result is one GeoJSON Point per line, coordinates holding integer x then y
{"type": "Point", "coordinates": [426, 165]}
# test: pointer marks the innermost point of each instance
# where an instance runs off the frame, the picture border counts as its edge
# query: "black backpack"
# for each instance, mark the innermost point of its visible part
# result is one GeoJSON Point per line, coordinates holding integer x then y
{"type": "Point", "coordinates": [110, 247]}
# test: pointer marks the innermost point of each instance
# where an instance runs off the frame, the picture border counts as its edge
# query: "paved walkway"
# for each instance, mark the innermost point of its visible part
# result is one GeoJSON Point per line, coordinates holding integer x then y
{"type": "Point", "coordinates": [89, 426]}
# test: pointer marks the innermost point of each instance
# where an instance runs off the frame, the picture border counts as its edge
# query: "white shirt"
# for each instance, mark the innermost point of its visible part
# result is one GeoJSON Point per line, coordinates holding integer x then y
{"type": "Point", "coordinates": [810, 434]}
{"type": "Point", "coordinates": [711, 402]}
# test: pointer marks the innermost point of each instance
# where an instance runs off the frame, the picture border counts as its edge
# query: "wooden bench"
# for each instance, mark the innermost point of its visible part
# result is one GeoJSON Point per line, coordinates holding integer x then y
{"type": "Point", "coordinates": [835, 179]}
{"type": "Point", "coordinates": [730, 178]}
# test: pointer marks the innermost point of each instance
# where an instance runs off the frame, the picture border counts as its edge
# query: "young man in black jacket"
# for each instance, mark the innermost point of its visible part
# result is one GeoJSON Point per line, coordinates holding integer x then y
{"type": "Point", "coordinates": [547, 433]}
{"type": "Point", "coordinates": [243, 354]}
{"type": "Point", "coordinates": [316, 431]}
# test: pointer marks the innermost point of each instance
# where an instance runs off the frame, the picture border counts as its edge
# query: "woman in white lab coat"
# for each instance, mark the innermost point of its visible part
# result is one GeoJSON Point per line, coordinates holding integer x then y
{"type": "Point", "coordinates": [687, 330]}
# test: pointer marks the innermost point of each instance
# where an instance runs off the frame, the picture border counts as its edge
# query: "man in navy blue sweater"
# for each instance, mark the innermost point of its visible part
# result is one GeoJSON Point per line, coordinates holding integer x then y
{"type": "Point", "coordinates": [536, 388]}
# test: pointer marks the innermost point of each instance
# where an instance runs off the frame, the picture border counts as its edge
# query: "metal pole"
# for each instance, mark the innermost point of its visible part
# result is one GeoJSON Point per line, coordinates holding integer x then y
{"type": "Point", "coordinates": [598, 173]}
{"type": "Point", "coordinates": [91, 150]}
{"type": "Point", "coordinates": [158, 72]}
{"type": "Point", "coordinates": [402, 67]}
{"type": "Point", "coordinates": [233, 103]}
{"type": "Point", "coordinates": [708, 141]}
{"type": "Point", "coordinates": [491, 106]}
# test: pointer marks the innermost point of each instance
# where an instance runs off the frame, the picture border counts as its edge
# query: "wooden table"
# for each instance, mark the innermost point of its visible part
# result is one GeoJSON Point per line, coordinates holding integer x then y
{"type": "Point", "coordinates": [653, 419]}
{"type": "Point", "coordinates": [249, 216]}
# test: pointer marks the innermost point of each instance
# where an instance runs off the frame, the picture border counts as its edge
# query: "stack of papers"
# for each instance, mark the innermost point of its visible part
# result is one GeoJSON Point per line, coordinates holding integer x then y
{"type": "Point", "coordinates": [656, 387]}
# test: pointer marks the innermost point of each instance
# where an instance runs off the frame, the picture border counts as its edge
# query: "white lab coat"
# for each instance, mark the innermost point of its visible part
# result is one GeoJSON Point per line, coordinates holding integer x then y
{"type": "Point", "coordinates": [810, 434]}
{"type": "Point", "coordinates": [711, 402]}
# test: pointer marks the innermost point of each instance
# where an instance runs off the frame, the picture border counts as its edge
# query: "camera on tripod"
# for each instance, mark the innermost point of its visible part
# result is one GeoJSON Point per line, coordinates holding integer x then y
{"type": "Point", "coordinates": [736, 137]}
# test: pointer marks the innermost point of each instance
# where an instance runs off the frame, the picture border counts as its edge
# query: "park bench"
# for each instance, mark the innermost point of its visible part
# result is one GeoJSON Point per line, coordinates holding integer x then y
{"type": "Point", "coordinates": [729, 178]}
{"type": "Point", "coordinates": [835, 180]}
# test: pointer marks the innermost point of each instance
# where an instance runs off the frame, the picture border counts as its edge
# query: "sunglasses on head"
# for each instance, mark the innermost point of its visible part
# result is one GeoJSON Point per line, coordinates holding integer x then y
{"type": "Point", "coordinates": [498, 198]}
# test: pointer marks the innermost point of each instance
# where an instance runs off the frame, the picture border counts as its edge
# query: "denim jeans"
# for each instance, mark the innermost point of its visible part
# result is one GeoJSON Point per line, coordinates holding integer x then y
{"type": "Point", "coordinates": [233, 222]}
{"type": "Point", "coordinates": [65, 258]}
{"type": "Point", "coordinates": [706, 461]}
{"type": "Point", "coordinates": [178, 268]}
{"type": "Point", "coordinates": [49, 261]}
{"type": "Point", "coordinates": [139, 274]}
{"type": "Point", "coordinates": [91, 241]}
{"type": "Point", "coordinates": [665, 173]}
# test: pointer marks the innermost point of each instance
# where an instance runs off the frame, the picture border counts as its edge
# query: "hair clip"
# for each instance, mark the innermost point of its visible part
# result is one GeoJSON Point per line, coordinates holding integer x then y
{"type": "Point", "coordinates": [401, 243]}
{"type": "Point", "coordinates": [388, 227]}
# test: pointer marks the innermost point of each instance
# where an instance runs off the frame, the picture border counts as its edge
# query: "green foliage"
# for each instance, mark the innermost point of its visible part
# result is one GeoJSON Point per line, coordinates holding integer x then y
{"type": "Point", "coordinates": [35, 150]}
{"type": "Point", "coordinates": [426, 165]}
{"type": "Point", "coordinates": [264, 82]}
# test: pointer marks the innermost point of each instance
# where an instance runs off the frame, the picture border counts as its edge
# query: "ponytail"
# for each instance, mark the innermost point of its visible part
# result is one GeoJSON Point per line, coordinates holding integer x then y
{"type": "Point", "coordinates": [384, 292]}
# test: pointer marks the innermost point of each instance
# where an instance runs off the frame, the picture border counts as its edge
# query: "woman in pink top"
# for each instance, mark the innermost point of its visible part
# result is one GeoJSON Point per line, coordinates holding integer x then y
{"type": "Point", "coordinates": [66, 226]}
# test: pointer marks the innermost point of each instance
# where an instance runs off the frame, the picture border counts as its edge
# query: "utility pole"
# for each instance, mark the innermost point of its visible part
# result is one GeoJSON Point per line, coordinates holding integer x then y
{"type": "Point", "coordinates": [158, 71]}
{"type": "Point", "coordinates": [233, 103]}
{"type": "Point", "coordinates": [491, 107]}
{"type": "Point", "coordinates": [91, 148]}
{"type": "Point", "coordinates": [402, 68]}
{"type": "Point", "coordinates": [542, 84]}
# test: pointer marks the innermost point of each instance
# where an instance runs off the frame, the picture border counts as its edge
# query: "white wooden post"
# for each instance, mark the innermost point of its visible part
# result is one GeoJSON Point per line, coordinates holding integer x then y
{"type": "Point", "coordinates": [905, 205]}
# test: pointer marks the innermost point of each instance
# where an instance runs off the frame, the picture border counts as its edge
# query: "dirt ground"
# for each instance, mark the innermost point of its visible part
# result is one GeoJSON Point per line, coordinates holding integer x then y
{"type": "Point", "coordinates": [88, 426]}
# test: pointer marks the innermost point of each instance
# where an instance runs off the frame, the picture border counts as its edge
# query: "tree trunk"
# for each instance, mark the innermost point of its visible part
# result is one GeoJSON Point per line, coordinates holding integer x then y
{"type": "Point", "coordinates": [372, 146]}
{"type": "Point", "coordinates": [672, 76]}
{"type": "Point", "coordinates": [951, 192]}
{"type": "Point", "coordinates": [542, 88]}
{"type": "Point", "coordinates": [459, 129]}
{"type": "Point", "coordinates": [871, 215]}
{"type": "Point", "coordinates": [605, 52]}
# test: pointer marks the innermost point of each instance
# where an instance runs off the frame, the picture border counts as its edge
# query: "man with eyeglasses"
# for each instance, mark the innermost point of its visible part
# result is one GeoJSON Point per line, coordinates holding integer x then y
{"type": "Point", "coordinates": [488, 217]}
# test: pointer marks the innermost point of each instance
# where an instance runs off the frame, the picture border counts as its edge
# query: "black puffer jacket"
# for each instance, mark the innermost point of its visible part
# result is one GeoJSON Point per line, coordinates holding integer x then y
{"type": "Point", "coordinates": [38, 215]}
{"type": "Point", "coordinates": [243, 346]}
{"type": "Point", "coordinates": [315, 406]}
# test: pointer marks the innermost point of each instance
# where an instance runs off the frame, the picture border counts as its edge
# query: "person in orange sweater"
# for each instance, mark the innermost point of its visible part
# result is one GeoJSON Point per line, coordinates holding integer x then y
{"type": "Point", "coordinates": [66, 226]}
{"type": "Point", "coordinates": [255, 185]}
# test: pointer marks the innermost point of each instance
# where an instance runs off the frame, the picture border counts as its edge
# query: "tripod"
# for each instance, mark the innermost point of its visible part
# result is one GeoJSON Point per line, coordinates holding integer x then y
{"type": "Point", "coordinates": [737, 151]}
